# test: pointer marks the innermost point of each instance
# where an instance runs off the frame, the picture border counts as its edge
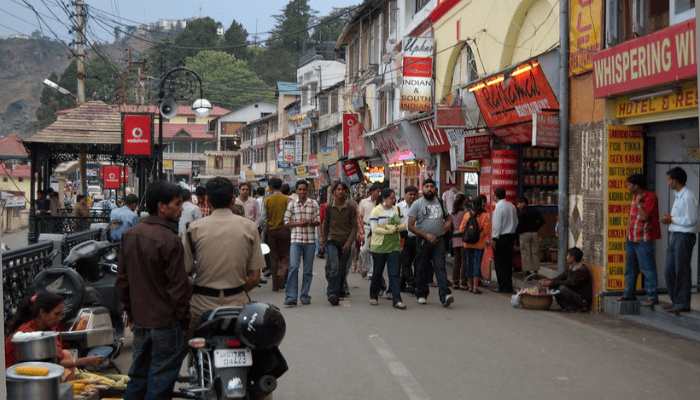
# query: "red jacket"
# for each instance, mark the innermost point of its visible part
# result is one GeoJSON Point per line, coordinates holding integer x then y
{"type": "Point", "coordinates": [644, 225]}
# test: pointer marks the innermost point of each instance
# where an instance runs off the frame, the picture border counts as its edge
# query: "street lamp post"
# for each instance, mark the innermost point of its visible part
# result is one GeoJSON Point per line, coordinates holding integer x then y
{"type": "Point", "coordinates": [178, 84]}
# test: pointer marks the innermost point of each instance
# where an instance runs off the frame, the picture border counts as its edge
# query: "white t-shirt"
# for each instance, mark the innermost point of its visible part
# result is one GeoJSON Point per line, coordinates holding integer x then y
{"type": "Point", "coordinates": [404, 207]}
{"type": "Point", "coordinates": [365, 207]}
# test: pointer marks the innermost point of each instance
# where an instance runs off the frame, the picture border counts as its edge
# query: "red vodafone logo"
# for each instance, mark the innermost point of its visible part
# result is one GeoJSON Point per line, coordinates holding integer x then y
{"type": "Point", "coordinates": [137, 134]}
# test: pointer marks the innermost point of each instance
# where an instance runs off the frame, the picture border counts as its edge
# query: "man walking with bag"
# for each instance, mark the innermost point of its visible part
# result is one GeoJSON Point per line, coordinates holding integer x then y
{"type": "Point", "coordinates": [337, 238]}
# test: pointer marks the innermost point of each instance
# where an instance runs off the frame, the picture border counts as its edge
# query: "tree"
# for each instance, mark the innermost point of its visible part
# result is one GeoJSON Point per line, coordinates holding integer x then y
{"type": "Point", "coordinates": [228, 81]}
{"type": "Point", "coordinates": [330, 26]}
{"type": "Point", "coordinates": [199, 34]}
{"type": "Point", "coordinates": [236, 40]}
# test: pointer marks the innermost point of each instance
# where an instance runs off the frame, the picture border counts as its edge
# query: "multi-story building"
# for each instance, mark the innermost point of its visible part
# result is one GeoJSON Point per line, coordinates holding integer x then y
{"type": "Point", "coordinates": [226, 159]}
{"type": "Point", "coordinates": [254, 142]}
{"type": "Point", "coordinates": [186, 138]}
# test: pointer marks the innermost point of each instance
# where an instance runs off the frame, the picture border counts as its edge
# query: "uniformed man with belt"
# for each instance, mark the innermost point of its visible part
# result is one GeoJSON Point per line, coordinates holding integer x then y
{"type": "Point", "coordinates": [223, 252]}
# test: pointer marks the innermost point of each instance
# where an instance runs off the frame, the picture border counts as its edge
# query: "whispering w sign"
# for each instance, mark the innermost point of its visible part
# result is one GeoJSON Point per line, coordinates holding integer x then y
{"type": "Point", "coordinates": [137, 134]}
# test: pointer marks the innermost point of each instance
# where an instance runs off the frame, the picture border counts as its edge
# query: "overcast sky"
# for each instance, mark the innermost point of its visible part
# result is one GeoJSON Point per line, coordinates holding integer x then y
{"type": "Point", "coordinates": [248, 12]}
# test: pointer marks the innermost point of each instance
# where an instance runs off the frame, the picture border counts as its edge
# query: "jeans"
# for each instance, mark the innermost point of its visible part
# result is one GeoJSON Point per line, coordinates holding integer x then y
{"type": "Point", "coordinates": [296, 252]}
{"type": "Point", "coordinates": [278, 240]}
{"type": "Point", "coordinates": [472, 262]}
{"type": "Point", "coordinates": [156, 362]}
{"type": "Point", "coordinates": [408, 256]}
{"type": "Point", "coordinates": [337, 263]}
{"type": "Point", "coordinates": [678, 273]}
{"type": "Point", "coordinates": [639, 257]}
{"type": "Point", "coordinates": [431, 258]}
{"type": "Point", "coordinates": [365, 256]}
{"type": "Point", "coordinates": [392, 262]}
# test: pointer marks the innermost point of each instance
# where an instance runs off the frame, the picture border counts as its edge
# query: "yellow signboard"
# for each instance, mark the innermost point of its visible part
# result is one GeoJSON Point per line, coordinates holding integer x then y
{"type": "Point", "coordinates": [685, 99]}
{"type": "Point", "coordinates": [585, 33]}
{"type": "Point", "coordinates": [625, 157]}
{"type": "Point", "coordinates": [301, 171]}
{"type": "Point", "coordinates": [168, 165]}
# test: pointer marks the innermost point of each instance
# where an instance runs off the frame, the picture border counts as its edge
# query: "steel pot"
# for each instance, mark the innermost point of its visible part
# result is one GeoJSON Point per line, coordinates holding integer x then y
{"type": "Point", "coordinates": [21, 387]}
{"type": "Point", "coordinates": [35, 346]}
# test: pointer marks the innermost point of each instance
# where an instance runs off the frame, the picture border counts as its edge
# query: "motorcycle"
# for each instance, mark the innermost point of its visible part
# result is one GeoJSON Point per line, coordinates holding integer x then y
{"type": "Point", "coordinates": [93, 314]}
{"type": "Point", "coordinates": [234, 353]}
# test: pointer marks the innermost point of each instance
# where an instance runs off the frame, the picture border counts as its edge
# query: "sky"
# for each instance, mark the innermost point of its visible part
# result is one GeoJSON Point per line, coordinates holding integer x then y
{"type": "Point", "coordinates": [249, 12]}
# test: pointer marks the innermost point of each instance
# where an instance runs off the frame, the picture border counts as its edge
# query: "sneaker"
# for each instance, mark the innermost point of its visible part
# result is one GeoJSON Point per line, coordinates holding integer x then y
{"type": "Point", "coordinates": [333, 299]}
{"type": "Point", "coordinates": [422, 300]}
{"type": "Point", "coordinates": [290, 303]}
{"type": "Point", "coordinates": [448, 300]}
{"type": "Point", "coordinates": [373, 302]}
{"type": "Point", "coordinates": [400, 306]}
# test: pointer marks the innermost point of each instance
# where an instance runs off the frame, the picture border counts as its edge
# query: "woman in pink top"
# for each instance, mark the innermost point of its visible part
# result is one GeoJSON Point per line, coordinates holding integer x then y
{"type": "Point", "coordinates": [474, 251]}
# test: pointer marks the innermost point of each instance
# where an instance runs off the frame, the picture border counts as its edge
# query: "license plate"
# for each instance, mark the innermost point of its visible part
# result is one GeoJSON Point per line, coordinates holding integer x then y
{"type": "Point", "coordinates": [232, 358]}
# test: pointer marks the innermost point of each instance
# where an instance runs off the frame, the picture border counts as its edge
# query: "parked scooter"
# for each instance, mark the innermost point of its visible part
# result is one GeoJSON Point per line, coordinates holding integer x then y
{"type": "Point", "coordinates": [93, 316]}
{"type": "Point", "coordinates": [234, 353]}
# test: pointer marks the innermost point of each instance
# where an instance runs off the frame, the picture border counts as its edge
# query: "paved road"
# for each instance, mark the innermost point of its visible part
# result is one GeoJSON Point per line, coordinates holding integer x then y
{"type": "Point", "coordinates": [481, 348]}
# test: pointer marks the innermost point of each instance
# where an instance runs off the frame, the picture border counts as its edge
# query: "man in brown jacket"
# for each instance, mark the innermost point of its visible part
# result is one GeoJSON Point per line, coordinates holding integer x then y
{"type": "Point", "coordinates": [155, 291]}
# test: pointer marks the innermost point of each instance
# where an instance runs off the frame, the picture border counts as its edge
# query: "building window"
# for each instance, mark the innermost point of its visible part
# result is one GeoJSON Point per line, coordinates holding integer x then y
{"type": "Point", "coordinates": [230, 143]}
{"type": "Point", "coordinates": [682, 10]}
{"type": "Point", "coordinates": [390, 105]}
{"type": "Point", "coordinates": [313, 87]}
{"type": "Point", "coordinates": [323, 104]}
{"type": "Point", "coordinates": [628, 19]}
{"type": "Point", "coordinates": [219, 162]}
{"type": "Point", "coordinates": [420, 4]}
{"type": "Point", "coordinates": [191, 120]}
{"type": "Point", "coordinates": [382, 109]}
{"type": "Point", "coordinates": [20, 179]}
{"type": "Point", "coordinates": [334, 102]}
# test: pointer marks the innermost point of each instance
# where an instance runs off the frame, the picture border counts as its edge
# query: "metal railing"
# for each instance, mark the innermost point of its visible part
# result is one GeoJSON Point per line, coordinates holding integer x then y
{"type": "Point", "coordinates": [19, 267]}
{"type": "Point", "coordinates": [74, 239]}
{"type": "Point", "coordinates": [39, 224]}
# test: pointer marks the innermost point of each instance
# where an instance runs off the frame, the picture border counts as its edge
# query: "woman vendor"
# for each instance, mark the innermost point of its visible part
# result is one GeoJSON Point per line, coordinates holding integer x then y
{"type": "Point", "coordinates": [43, 312]}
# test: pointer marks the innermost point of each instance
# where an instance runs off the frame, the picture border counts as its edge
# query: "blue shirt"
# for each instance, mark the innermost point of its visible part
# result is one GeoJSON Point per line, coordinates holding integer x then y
{"type": "Point", "coordinates": [684, 214]}
{"type": "Point", "coordinates": [121, 220]}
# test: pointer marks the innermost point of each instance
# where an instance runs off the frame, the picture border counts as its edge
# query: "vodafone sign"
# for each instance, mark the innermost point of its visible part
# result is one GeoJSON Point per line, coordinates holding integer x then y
{"type": "Point", "coordinates": [111, 176]}
{"type": "Point", "coordinates": [137, 134]}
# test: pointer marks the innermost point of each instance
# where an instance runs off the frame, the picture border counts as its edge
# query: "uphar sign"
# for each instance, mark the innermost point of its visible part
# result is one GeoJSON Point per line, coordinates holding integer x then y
{"type": "Point", "coordinates": [417, 82]}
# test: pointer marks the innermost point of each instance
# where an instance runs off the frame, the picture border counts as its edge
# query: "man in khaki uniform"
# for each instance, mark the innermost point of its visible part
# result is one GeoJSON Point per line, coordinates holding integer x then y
{"type": "Point", "coordinates": [227, 253]}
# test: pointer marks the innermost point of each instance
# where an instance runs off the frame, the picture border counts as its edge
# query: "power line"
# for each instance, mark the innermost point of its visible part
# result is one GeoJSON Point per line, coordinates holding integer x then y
{"type": "Point", "coordinates": [12, 29]}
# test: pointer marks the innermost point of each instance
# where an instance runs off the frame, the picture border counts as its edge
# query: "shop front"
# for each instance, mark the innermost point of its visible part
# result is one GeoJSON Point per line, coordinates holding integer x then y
{"type": "Point", "coordinates": [520, 111]}
{"type": "Point", "coordinates": [652, 113]}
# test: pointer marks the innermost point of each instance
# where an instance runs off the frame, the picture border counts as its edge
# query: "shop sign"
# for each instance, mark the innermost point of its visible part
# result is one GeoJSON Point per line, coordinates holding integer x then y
{"type": "Point", "coordinates": [585, 33]}
{"type": "Point", "coordinates": [300, 171]}
{"type": "Point", "coordinates": [137, 134]}
{"type": "Point", "coordinates": [12, 200]}
{"type": "Point", "coordinates": [326, 158]}
{"type": "Point", "coordinates": [485, 180]}
{"type": "Point", "coordinates": [353, 142]}
{"type": "Point", "coordinates": [662, 57]}
{"type": "Point", "coordinates": [168, 165]}
{"type": "Point", "coordinates": [504, 172]}
{"type": "Point", "coordinates": [625, 157]}
{"type": "Point", "coordinates": [435, 138]}
{"type": "Point", "coordinates": [313, 166]}
{"type": "Point", "coordinates": [182, 167]}
{"type": "Point", "coordinates": [545, 130]}
{"type": "Point", "coordinates": [375, 174]}
{"type": "Point", "coordinates": [507, 104]}
{"type": "Point", "coordinates": [298, 149]}
{"type": "Point", "coordinates": [417, 80]}
{"type": "Point", "coordinates": [352, 171]}
{"type": "Point", "coordinates": [393, 145]}
{"type": "Point", "coordinates": [111, 177]}
{"type": "Point", "coordinates": [477, 147]}
{"type": "Point", "coordinates": [450, 117]}
{"type": "Point", "coordinates": [685, 99]}
{"type": "Point", "coordinates": [285, 158]}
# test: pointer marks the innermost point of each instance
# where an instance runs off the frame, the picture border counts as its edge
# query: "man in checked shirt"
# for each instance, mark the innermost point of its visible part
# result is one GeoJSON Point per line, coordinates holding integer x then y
{"type": "Point", "coordinates": [643, 230]}
{"type": "Point", "coordinates": [302, 217]}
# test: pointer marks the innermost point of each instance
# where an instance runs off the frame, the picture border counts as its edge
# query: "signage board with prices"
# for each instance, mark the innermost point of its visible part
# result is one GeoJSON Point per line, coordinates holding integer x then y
{"type": "Point", "coordinates": [659, 58]}
{"type": "Point", "coordinates": [585, 33]}
{"type": "Point", "coordinates": [417, 81]}
{"type": "Point", "coordinates": [545, 130]}
{"type": "Point", "coordinates": [137, 134]}
{"type": "Point", "coordinates": [504, 172]}
{"type": "Point", "coordinates": [477, 147]}
{"type": "Point", "coordinates": [625, 157]}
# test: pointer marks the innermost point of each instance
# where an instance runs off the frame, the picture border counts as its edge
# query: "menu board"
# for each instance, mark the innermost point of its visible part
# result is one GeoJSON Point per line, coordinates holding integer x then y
{"type": "Point", "coordinates": [625, 157]}
{"type": "Point", "coordinates": [504, 172]}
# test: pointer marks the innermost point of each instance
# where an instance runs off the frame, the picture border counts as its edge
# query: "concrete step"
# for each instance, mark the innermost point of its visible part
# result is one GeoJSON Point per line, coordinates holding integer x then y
{"type": "Point", "coordinates": [686, 325]}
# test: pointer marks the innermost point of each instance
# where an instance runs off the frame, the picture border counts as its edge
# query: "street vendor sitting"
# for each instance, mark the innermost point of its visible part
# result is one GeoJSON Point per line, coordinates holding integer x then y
{"type": "Point", "coordinates": [574, 284]}
{"type": "Point", "coordinates": [42, 312]}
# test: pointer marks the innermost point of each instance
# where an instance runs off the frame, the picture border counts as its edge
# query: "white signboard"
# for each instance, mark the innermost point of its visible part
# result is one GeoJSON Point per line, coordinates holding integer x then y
{"type": "Point", "coordinates": [182, 167]}
{"type": "Point", "coordinates": [417, 81]}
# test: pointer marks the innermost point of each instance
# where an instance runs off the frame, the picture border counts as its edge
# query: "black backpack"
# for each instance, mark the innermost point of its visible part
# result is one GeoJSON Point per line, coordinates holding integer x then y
{"type": "Point", "coordinates": [472, 232]}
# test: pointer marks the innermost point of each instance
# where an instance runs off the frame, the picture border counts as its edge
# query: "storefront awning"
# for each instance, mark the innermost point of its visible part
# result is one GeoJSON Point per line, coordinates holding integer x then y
{"type": "Point", "coordinates": [435, 138]}
{"type": "Point", "coordinates": [400, 141]}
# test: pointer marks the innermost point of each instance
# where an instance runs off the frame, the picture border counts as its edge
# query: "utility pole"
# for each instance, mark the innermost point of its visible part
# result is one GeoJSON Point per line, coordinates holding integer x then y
{"type": "Point", "coordinates": [563, 134]}
{"type": "Point", "coordinates": [80, 16]}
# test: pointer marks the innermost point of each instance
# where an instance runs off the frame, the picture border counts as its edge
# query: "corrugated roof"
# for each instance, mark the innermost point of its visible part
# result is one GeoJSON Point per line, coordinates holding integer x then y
{"type": "Point", "coordinates": [11, 147]}
{"type": "Point", "coordinates": [288, 88]}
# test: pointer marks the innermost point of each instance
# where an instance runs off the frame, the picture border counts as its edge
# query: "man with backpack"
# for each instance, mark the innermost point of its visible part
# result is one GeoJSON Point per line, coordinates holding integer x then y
{"type": "Point", "coordinates": [429, 221]}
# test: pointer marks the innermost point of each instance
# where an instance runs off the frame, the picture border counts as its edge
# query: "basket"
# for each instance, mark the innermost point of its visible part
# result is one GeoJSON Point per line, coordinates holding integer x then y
{"type": "Point", "coordinates": [532, 302]}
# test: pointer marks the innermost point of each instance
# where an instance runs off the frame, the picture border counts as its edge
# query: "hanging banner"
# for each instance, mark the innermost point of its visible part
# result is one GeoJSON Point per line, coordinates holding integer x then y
{"type": "Point", "coordinates": [585, 34]}
{"type": "Point", "coordinates": [545, 130]}
{"type": "Point", "coordinates": [111, 177]}
{"type": "Point", "coordinates": [625, 157]}
{"type": "Point", "coordinates": [450, 117]}
{"type": "Point", "coordinates": [298, 149]}
{"type": "Point", "coordinates": [352, 171]}
{"type": "Point", "coordinates": [137, 134]}
{"type": "Point", "coordinates": [417, 81]}
{"type": "Point", "coordinates": [477, 147]}
{"type": "Point", "coordinates": [504, 172]}
{"type": "Point", "coordinates": [661, 57]}
{"type": "Point", "coordinates": [353, 142]}
{"type": "Point", "coordinates": [505, 102]}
